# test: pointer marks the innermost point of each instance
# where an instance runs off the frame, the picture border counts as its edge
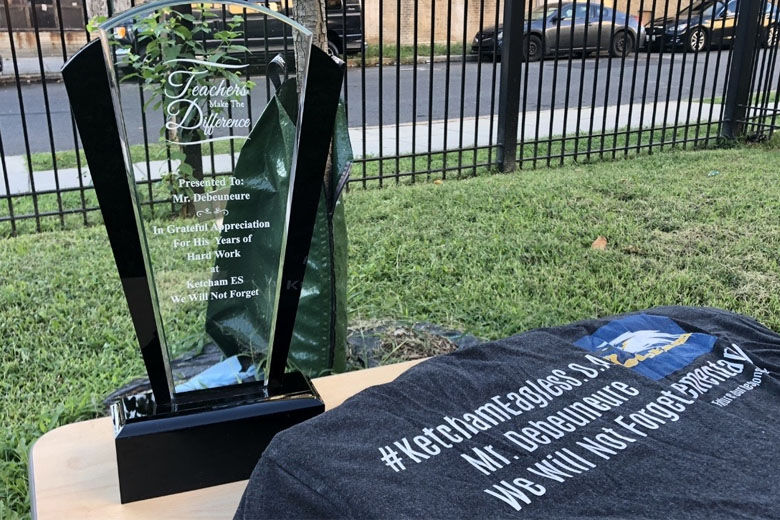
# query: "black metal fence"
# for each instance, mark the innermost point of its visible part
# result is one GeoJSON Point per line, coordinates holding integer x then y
{"type": "Point", "coordinates": [436, 89]}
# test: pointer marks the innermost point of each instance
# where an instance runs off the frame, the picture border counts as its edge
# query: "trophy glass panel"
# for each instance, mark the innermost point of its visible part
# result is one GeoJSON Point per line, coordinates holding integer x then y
{"type": "Point", "coordinates": [209, 99]}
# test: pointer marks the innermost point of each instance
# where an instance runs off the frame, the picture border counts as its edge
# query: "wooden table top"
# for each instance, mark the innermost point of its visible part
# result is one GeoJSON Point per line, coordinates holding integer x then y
{"type": "Point", "coordinates": [73, 471]}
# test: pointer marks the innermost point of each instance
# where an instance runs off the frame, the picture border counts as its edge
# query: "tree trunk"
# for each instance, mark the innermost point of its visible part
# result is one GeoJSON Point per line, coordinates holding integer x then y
{"type": "Point", "coordinates": [100, 7]}
{"type": "Point", "coordinates": [311, 14]}
{"type": "Point", "coordinates": [193, 155]}
{"type": "Point", "coordinates": [191, 152]}
{"type": "Point", "coordinates": [97, 8]}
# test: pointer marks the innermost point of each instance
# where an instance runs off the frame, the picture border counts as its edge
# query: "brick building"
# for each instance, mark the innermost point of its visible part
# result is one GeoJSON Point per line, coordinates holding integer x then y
{"type": "Point", "coordinates": [56, 21]}
{"type": "Point", "coordinates": [459, 8]}
{"type": "Point", "coordinates": [53, 17]}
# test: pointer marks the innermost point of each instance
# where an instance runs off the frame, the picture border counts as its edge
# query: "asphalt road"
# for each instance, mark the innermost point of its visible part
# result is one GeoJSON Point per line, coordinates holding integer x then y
{"type": "Point", "coordinates": [462, 88]}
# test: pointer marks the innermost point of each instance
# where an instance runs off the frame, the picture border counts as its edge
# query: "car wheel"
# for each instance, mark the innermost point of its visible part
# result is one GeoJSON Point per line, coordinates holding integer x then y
{"type": "Point", "coordinates": [697, 40]}
{"type": "Point", "coordinates": [333, 48]}
{"type": "Point", "coordinates": [622, 44]}
{"type": "Point", "coordinates": [772, 36]}
{"type": "Point", "coordinates": [533, 49]}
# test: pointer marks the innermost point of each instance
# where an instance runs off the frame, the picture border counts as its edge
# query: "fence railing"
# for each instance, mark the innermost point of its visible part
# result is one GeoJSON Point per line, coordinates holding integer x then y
{"type": "Point", "coordinates": [434, 89]}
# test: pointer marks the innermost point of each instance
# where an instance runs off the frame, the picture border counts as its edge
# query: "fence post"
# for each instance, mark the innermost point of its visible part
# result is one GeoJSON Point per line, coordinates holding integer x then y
{"type": "Point", "coordinates": [509, 88]}
{"type": "Point", "coordinates": [746, 37]}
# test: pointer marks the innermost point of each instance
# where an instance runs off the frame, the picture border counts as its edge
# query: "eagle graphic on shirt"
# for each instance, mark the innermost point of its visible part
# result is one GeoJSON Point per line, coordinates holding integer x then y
{"type": "Point", "coordinates": [654, 346]}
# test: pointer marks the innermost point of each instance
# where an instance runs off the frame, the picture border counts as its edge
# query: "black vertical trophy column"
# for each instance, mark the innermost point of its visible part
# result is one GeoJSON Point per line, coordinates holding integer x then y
{"type": "Point", "coordinates": [169, 442]}
{"type": "Point", "coordinates": [86, 81]}
{"type": "Point", "coordinates": [309, 174]}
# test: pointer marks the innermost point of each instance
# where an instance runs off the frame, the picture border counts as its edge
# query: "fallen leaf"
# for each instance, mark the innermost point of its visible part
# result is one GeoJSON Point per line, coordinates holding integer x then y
{"type": "Point", "coordinates": [600, 243]}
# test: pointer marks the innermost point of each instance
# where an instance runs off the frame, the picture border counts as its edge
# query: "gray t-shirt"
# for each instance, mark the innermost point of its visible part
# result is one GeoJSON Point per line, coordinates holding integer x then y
{"type": "Point", "coordinates": [668, 413]}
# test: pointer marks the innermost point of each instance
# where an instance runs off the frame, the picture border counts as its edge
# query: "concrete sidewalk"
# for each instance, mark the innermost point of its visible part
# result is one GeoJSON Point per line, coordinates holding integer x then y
{"type": "Point", "coordinates": [412, 138]}
{"type": "Point", "coordinates": [30, 69]}
{"type": "Point", "coordinates": [476, 130]}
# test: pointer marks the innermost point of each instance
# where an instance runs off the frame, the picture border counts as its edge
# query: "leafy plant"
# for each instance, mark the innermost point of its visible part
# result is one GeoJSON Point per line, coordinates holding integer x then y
{"type": "Point", "coordinates": [178, 55]}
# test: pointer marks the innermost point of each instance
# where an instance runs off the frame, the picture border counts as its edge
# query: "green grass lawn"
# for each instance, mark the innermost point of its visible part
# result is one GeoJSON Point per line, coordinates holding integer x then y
{"type": "Point", "coordinates": [501, 254]}
{"type": "Point", "coordinates": [64, 211]}
{"type": "Point", "coordinates": [491, 255]}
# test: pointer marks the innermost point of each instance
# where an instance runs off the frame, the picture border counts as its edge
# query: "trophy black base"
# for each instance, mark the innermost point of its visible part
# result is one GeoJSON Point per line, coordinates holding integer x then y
{"type": "Point", "coordinates": [203, 442]}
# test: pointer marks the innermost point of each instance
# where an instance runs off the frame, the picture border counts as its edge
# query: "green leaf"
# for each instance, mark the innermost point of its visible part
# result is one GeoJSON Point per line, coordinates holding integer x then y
{"type": "Point", "coordinates": [216, 57]}
{"type": "Point", "coordinates": [130, 76]}
{"type": "Point", "coordinates": [185, 168]}
{"type": "Point", "coordinates": [183, 32]}
{"type": "Point", "coordinates": [177, 155]}
{"type": "Point", "coordinates": [239, 48]}
{"type": "Point", "coordinates": [95, 22]}
{"type": "Point", "coordinates": [225, 35]}
{"type": "Point", "coordinates": [171, 53]}
{"type": "Point", "coordinates": [152, 48]}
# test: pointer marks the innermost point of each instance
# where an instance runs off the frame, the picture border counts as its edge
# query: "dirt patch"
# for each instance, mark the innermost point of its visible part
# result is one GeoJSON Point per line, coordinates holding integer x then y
{"type": "Point", "coordinates": [374, 343]}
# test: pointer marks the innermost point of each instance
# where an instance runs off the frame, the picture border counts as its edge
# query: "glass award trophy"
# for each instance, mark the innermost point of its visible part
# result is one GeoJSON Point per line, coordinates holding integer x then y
{"type": "Point", "coordinates": [206, 128]}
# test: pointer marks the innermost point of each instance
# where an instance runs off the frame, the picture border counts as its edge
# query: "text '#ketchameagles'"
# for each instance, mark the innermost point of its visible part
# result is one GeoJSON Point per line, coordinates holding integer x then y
{"type": "Point", "coordinates": [531, 443]}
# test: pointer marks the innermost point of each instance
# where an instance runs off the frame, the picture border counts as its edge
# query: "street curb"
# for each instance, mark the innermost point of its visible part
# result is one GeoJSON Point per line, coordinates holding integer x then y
{"type": "Point", "coordinates": [27, 79]}
{"type": "Point", "coordinates": [421, 60]}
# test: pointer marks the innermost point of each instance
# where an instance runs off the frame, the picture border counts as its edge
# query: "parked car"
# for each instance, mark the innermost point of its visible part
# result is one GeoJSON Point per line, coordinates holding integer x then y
{"type": "Point", "coordinates": [705, 24]}
{"type": "Point", "coordinates": [568, 27]}
{"type": "Point", "coordinates": [347, 15]}
{"type": "Point", "coordinates": [341, 15]}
